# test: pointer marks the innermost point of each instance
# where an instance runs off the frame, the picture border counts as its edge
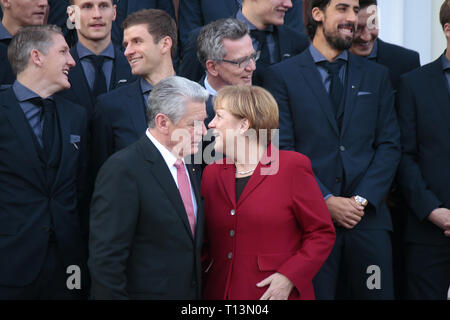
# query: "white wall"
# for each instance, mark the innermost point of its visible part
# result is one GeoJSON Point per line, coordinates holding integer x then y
{"type": "Point", "coordinates": [413, 24]}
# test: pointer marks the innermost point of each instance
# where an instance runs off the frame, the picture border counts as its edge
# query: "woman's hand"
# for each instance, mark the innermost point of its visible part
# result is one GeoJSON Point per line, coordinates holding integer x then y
{"type": "Point", "coordinates": [279, 287]}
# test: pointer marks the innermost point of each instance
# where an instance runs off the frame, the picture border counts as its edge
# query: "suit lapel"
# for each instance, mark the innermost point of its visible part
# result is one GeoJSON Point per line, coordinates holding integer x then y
{"type": "Point", "coordinates": [439, 88]}
{"type": "Point", "coordinates": [354, 76]}
{"type": "Point", "coordinates": [136, 108]}
{"type": "Point", "coordinates": [227, 181]}
{"type": "Point", "coordinates": [121, 69]}
{"type": "Point", "coordinates": [313, 80]}
{"type": "Point", "coordinates": [64, 124]}
{"type": "Point", "coordinates": [18, 122]}
{"type": "Point", "coordinates": [164, 177]}
{"type": "Point", "coordinates": [284, 43]}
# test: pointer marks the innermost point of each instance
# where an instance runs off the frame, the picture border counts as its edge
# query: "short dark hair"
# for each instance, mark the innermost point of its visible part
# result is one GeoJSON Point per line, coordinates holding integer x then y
{"type": "Point", "coordinates": [365, 3]}
{"type": "Point", "coordinates": [72, 2]}
{"type": "Point", "coordinates": [444, 14]}
{"type": "Point", "coordinates": [159, 23]}
{"type": "Point", "coordinates": [27, 39]}
{"type": "Point", "coordinates": [311, 25]}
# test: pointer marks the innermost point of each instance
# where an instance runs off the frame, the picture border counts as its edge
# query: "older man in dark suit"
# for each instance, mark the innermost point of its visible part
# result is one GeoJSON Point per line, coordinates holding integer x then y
{"type": "Point", "coordinates": [338, 109]}
{"type": "Point", "coordinates": [146, 213]}
{"type": "Point", "coordinates": [43, 220]}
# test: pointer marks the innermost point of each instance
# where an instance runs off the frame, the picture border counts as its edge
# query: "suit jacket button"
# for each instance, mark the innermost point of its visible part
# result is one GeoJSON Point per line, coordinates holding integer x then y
{"type": "Point", "coordinates": [342, 148]}
{"type": "Point", "coordinates": [232, 233]}
{"type": "Point", "coordinates": [232, 212]}
{"type": "Point", "coordinates": [338, 180]}
{"type": "Point", "coordinates": [230, 255]}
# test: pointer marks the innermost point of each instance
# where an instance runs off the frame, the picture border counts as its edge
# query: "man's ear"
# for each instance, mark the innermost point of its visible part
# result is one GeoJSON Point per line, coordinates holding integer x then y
{"type": "Point", "coordinates": [5, 3]}
{"type": "Point", "coordinates": [71, 12]}
{"type": "Point", "coordinates": [36, 57]}
{"type": "Point", "coordinates": [162, 123]}
{"type": "Point", "coordinates": [211, 67]}
{"type": "Point", "coordinates": [166, 45]}
{"type": "Point", "coordinates": [447, 31]}
{"type": "Point", "coordinates": [317, 14]}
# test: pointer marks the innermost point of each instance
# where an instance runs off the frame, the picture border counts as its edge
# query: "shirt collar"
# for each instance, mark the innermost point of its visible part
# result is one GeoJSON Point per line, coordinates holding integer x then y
{"type": "Point", "coordinates": [168, 156]}
{"type": "Point", "coordinates": [83, 52]}
{"type": "Point", "coordinates": [209, 88]}
{"type": "Point", "coordinates": [145, 86]}
{"type": "Point", "coordinates": [318, 57]}
{"type": "Point", "coordinates": [4, 34]}
{"type": "Point", "coordinates": [445, 63]}
{"type": "Point", "coordinates": [23, 93]}
{"type": "Point", "coordinates": [240, 16]}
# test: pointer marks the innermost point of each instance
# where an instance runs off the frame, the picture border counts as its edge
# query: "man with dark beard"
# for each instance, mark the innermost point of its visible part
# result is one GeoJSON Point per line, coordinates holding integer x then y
{"type": "Point", "coordinates": [338, 109]}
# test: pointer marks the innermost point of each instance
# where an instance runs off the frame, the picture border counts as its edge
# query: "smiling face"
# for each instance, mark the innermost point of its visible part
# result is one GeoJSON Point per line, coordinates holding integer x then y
{"type": "Point", "coordinates": [56, 64]}
{"type": "Point", "coordinates": [338, 22]}
{"type": "Point", "coordinates": [26, 12]}
{"type": "Point", "coordinates": [143, 54]}
{"type": "Point", "coordinates": [269, 12]}
{"type": "Point", "coordinates": [232, 74]}
{"type": "Point", "coordinates": [366, 32]}
{"type": "Point", "coordinates": [95, 19]}
{"type": "Point", "coordinates": [226, 130]}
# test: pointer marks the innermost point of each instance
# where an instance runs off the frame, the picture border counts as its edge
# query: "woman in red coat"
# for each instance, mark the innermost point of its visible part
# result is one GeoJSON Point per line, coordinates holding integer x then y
{"type": "Point", "coordinates": [268, 230]}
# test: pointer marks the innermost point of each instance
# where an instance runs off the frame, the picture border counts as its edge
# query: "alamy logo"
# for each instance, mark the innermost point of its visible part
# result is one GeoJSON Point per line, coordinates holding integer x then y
{"type": "Point", "coordinates": [374, 280]}
{"type": "Point", "coordinates": [74, 280]}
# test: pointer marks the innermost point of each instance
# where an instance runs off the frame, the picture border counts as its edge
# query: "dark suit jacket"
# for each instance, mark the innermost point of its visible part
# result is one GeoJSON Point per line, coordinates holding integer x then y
{"type": "Point", "coordinates": [292, 233]}
{"type": "Point", "coordinates": [7, 75]}
{"type": "Point", "coordinates": [397, 59]}
{"type": "Point", "coordinates": [194, 14]}
{"type": "Point", "coordinates": [27, 203]}
{"type": "Point", "coordinates": [119, 120]}
{"type": "Point", "coordinates": [424, 116]}
{"type": "Point", "coordinates": [290, 43]}
{"type": "Point", "coordinates": [127, 7]}
{"type": "Point", "coordinates": [141, 245]}
{"type": "Point", "coordinates": [80, 92]}
{"type": "Point", "coordinates": [367, 148]}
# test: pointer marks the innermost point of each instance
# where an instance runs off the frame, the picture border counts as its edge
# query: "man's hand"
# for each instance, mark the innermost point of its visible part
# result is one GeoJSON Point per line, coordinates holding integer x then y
{"type": "Point", "coordinates": [279, 289]}
{"type": "Point", "coordinates": [345, 211]}
{"type": "Point", "coordinates": [441, 218]}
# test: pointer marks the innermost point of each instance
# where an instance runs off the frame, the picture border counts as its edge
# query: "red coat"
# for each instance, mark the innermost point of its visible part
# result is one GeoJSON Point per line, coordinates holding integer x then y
{"type": "Point", "coordinates": [280, 224]}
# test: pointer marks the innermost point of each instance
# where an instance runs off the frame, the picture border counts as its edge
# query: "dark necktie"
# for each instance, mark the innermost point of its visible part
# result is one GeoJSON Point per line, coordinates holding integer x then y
{"type": "Point", "coordinates": [261, 37]}
{"type": "Point", "coordinates": [100, 79]}
{"type": "Point", "coordinates": [336, 87]}
{"type": "Point", "coordinates": [48, 116]}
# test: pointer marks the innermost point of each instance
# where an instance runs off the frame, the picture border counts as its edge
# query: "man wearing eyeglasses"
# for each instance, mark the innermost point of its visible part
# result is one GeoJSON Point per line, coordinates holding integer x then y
{"type": "Point", "coordinates": [226, 53]}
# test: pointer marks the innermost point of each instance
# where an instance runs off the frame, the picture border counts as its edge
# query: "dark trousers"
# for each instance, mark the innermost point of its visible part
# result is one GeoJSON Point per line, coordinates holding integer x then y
{"type": "Point", "coordinates": [360, 260]}
{"type": "Point", "coordinates": [51, 283]}
{"type": "Point", "coordinates": [427, 271]}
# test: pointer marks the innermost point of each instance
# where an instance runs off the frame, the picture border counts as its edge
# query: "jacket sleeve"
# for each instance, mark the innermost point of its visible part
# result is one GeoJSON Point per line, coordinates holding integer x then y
{"type": "Point", "coordinates": [318, 231]}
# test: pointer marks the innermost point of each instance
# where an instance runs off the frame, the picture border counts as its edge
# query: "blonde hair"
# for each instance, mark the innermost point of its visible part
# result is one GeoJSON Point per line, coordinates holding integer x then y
{"type": "Point", "coordinates": [253, 103]}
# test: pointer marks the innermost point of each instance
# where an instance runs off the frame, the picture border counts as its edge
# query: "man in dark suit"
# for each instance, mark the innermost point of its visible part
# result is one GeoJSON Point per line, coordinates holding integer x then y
{"type": "Point", "coordinates": [398, 60]}
{"type": "Point", "coordinates": [424, 117]}
{"type": "Point", "coordinates": [226, 52]}
{"type": "Point", "coordinates": [275, 40]}
{"type": "Point", "coordinates": [153, 250]}
{"type": "Point", "coordinates": [43, 220]}
{"type": "Point", "coordinates": [17, 14]}
{"type": "Point", "coordinates": [344, 121]}
{"type": "Point", "coordinates": [100, 66]}
{"type": "Point", "coordinates": [150, 39]}
{"type": "Point", "coordinates": [195, 14]}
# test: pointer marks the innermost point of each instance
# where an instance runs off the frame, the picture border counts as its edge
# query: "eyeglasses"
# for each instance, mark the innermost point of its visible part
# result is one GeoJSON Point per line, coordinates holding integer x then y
{"type": "Point", "coordinates": [243, 62]}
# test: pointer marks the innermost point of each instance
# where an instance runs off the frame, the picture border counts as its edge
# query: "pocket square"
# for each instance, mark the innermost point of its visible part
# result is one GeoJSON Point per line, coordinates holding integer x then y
{"type": "Point", "coordinates": [74, 138]}
{"type": "Point", "coordinates": [364, 93]}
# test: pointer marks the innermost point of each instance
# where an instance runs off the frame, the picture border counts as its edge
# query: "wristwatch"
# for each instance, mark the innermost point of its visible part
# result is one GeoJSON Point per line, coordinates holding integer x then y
{"type": "Point", "coordinates": [362, 201]}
